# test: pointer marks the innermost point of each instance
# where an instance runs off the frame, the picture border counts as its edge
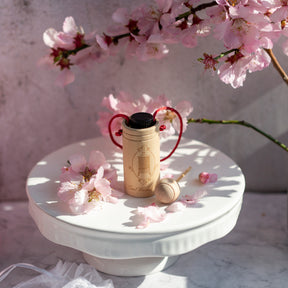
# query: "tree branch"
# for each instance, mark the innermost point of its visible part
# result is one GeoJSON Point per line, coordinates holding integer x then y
{"type": "Point", "coordinates": [277, 65]}
{"type": "Point", "coordinates": [237, 122]}
{"type": "Point", "coordinates": [194, 10]}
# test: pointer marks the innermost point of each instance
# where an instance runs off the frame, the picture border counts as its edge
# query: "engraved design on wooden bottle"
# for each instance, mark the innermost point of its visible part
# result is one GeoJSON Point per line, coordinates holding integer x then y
{"type": "Point", "coordinates": [141, 159]}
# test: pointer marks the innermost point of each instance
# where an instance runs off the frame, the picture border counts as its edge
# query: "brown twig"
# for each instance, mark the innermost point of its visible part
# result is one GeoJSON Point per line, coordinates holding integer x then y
{"type": "Point", "coordinates": [239, 122]}
{"type": "Point", "coordinates": [277, 65]}
{"type": "Point", "coordinates": [196, 9]}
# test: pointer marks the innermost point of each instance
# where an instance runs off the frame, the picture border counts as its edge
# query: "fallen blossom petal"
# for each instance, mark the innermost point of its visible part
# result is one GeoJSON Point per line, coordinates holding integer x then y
{"type": "Point", "coordinates": [163, 166]}
{"type": "Point", "coordinates": [149, 214]}
{"type": "Point", "coordinates": [143, 224]}
{"type": "Point", "coordinates": [168, 175]}
{"type": "Point", "coordinates": [205, 177]}
{"type": "Point", "coordinates": [213, 178]}
{"type": "Point", "coordinates": [194, 198]}
{"type": "Point", "coordinates": [177, 206]}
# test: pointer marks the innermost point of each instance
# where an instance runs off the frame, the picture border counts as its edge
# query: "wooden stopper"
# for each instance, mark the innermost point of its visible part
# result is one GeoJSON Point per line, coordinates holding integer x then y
{"type": "Point", "coordinates": [168, 189]}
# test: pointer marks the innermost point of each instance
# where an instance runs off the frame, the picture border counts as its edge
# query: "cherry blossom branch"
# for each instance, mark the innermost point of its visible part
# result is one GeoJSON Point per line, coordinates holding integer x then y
{"type": "Point", "coordinates": [196, 9]}
{"type": "Point", "coordinates": [277, 65]}
{"type": "Point", "coordinates": [181, 16]}
{"type": "Point", "coordinates": [148, 31]}
{"type": "Point", "coordinates": [116, 38]}
{"type": "Point", "coordinates": [67, 53]}
{"type": "Point", "coordinates": [223, 54]}
{"type": "Point", "coordinates": [242, 123]}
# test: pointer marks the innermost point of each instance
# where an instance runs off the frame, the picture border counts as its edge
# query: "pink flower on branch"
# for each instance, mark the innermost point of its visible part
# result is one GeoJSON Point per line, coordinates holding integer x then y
{"type": "Point", "coordinates": [69, 39]}
{"type": "Point", "coordinates": [64, 44]}
{"type": "Point", "coordinates": [209, 62]}
{"type": "Point", "coordinates": [234, 70]}
{"type": "Point", "coordinates": [243, 25]}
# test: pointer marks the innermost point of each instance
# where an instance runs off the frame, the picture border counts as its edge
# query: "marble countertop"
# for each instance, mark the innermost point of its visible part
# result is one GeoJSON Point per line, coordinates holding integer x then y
{"type": "Point", "coordinates": [254, 254]}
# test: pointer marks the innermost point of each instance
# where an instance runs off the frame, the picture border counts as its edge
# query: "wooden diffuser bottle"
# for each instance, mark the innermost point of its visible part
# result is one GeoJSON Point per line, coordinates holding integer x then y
{"type": "Point", "coordinates": [141, 151]}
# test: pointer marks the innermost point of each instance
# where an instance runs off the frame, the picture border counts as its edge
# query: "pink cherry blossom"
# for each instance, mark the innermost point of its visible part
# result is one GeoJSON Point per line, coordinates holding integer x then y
{"type": "Point", "coordinates": [217, 14]}
{"type": "Point", "coordinates": [188, 38]}
{"type": "Point", "coordinates": [80, 165]}
{"type": "Point", "coordinates": [79, 204]}
{"type": "Point", "coordinates": [285, 47]}
{"type": "Point", "coordinates": [67, 189]}
{"type": "Point", "coordinates": [280, 12]}
{"type": "Point", "coordinates": [65, 39]}
{"type": "Point", "coordinates": [62, 43]}
{"type": "Point", "coordinates": [98, 187]}
{"type": "Point", "coordinates": [86, 184]}
{"type": "Point", "coordinates": [115, 195]}
{"type": "Point", "coordinates": [171, 121]}
{"type": "Point", "coordinates": [147, 51]}
{"type": "Point", "coordinates": [209, 62]}
{"type": "Point", "coordinates": [149, 29]}
{"type": "Point", "coordinates": [127, 22]}
{"type": "Point", "coordinates": [121, 16]}
{"type": "Point", "coordinates": [125, 104]}
{"type": "Point", "coordinates": [145, 32]}
{"type": "Point", "coordinates": [234, 70]}
{"type": "Point", "coordinates": [245, 27]}
{"type": "Point", "coordinates": [74, 195]}
{"type": "Point", "coordinates": [86, 58]}
{"type": "Point", "coordinates": [149, 22]}
{"type": "Point", "coordinates": [89, 194]}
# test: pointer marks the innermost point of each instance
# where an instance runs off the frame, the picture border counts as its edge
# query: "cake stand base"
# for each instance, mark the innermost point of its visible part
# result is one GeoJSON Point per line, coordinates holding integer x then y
{"type": "Point", "coordinates": [130, 267]}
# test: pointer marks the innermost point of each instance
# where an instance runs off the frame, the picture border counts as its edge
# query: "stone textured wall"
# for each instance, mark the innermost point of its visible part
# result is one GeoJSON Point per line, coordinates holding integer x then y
{"type": "Point", "coordinates": [37, 117]}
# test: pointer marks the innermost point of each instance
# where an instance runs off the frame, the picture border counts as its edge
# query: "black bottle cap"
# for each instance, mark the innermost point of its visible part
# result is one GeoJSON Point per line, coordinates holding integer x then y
{"type": "Point", "coordinates": [141, 120]}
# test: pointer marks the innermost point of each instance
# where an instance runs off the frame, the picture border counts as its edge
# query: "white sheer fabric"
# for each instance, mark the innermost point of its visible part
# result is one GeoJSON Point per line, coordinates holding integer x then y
{"type": "Point", "coordinates": [63, 275]}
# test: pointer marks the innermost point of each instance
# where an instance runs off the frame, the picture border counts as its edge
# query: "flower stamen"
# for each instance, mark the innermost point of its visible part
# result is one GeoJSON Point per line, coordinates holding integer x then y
{"type": "Point", "coordinates": [170, 116]}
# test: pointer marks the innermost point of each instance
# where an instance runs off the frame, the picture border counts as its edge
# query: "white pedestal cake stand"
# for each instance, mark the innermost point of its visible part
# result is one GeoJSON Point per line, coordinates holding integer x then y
{"type": "Point", "coordinates": [109, 239]}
